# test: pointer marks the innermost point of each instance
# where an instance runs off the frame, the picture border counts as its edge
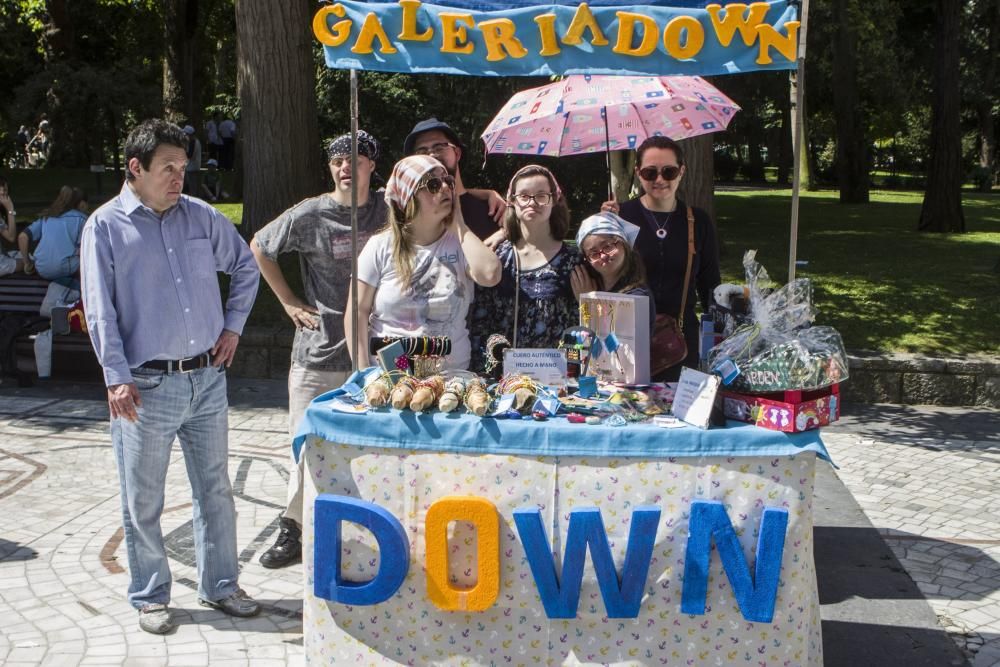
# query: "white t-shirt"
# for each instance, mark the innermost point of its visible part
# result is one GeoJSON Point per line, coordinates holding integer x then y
{"type": "Point", "coordinates": [438, 301]}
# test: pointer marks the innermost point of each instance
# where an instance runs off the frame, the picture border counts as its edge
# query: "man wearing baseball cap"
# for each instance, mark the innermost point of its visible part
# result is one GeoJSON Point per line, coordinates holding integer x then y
{"type": "Point", "coordinates": [319, 229]}
{"type": "Point", "coordinates": [482, 209]}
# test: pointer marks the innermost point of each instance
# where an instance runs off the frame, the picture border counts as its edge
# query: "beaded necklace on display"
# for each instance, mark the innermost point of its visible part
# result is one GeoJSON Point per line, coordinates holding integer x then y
{"type": "Point", "coordinates": [510, 383]}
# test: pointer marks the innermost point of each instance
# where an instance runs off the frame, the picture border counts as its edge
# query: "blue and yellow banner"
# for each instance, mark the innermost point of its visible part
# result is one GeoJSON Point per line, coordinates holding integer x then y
{"type": "Point", "coordinates": [521, 39]}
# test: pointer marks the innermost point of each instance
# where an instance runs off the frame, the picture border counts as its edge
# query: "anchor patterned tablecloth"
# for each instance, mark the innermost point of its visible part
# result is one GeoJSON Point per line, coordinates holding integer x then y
{"type": "Point", "coordinates": [408, 629]}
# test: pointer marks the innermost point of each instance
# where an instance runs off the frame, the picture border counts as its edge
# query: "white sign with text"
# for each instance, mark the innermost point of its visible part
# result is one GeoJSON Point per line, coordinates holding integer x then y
{"type": "Point", "coordinates": [695, 396]}
{"type": "Point", "coordinates": [545, 366]}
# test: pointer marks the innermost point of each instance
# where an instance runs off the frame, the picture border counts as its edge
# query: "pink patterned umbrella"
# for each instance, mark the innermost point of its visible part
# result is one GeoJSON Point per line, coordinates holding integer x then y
{"type": "Point", "coordinates": [568, 117]}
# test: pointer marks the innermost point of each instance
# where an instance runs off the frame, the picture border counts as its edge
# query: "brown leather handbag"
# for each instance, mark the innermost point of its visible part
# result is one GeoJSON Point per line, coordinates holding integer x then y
{"type": "Point", "coordinates": [667, 346]}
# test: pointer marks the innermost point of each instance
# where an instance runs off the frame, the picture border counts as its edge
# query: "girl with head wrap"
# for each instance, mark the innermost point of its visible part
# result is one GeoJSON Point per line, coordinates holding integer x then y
{"type": "Point", "coordinates": [534, 301]}
{"type": "Point", "coordinates": [415, 277]}
{"type": "Point", "coordinates": [607, 243]}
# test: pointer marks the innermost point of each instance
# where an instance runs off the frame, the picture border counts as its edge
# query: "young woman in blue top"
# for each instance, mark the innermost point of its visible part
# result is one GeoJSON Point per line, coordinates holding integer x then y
{"type": "Point", "coordinates": [534, 300]}
{"type": "Point", "coordinates": [57, 232]}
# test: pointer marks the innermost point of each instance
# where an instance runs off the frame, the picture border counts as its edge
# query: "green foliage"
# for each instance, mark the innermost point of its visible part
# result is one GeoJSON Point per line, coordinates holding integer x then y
{"type": "Point", "coordinates": [882, 286]}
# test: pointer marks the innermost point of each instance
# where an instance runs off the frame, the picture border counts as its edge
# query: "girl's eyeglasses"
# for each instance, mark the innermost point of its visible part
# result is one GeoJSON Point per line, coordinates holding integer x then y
{"type": "Point", "coordinates": [668, 173]}
{"type": "Point", "coordinates": [435, 183]}
{"type": "Point", "coordinates": [540, 198]}
{"type": "Point", "coordinates": [608, 249]}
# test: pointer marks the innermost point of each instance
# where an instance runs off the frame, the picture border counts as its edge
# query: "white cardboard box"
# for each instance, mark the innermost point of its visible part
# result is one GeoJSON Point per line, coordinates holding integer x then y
{"type": "Point", "coordinates": [628, 316]}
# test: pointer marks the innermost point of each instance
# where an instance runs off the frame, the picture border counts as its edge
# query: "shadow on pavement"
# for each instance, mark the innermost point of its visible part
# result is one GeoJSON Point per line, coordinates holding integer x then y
{"type": "Point", "coordinates": [898, 423]}
{"type": "Point", "coordinates": [12, 551]}
{"type": "Point", "coordinates": [873, 612]}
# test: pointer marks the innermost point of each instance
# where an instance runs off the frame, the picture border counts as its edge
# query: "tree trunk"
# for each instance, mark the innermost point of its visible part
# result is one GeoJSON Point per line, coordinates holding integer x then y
{"type": "Point", "coordinates": [181, 98]}
{"type": "Point", "coordinates": [279, 131]}
{"type": "Point", "coordinates": [852, 150]}
{"type": "Point", "coordinates": [755, 157]}
{"type": "Point", "coordinates": [984, 106]}
{"type": "Point", "coordinates": [698, 187]}
{"type": "Point", "coordinates": [59, 39]}
{"type": "Point", "coordinates": [942, 207]}
{"type": "Point", "coordinates": [622, 170]}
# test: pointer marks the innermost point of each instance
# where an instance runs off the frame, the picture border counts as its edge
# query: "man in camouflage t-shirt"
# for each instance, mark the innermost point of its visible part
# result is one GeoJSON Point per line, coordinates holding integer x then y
{"type": "Point", "coordinates": [319, 229]}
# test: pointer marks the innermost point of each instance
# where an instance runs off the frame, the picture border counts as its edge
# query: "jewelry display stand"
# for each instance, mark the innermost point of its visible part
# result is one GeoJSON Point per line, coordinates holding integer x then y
{"type": "Point", "coordinates": [621, 322]}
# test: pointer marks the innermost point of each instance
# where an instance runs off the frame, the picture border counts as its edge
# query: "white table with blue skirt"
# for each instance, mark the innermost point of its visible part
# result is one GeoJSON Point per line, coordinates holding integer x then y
{"type": "Point", "coordinates": [449, 539]}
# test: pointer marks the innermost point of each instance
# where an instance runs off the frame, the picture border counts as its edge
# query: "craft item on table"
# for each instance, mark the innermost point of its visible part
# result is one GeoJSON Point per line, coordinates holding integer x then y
{"type": "Point", "coordinates": [575, 418]}
{"type": "Point", "coordinates": [427, 393]}
{"type": "Point", "coordinates": [378, 390]}
{"type": "Point", "coordinates": [539, 415]}
{"type": "Point", "coordinates": [788, 411]}
{"type": "Point", "coordinates": [616, 420]}
{"type": "Point", "coordinates": [780, 350]}
{"type": "Point", "coordinates": [477, 400]}
{"type": "Point", "coordinates": [620, 348]}
{"type": "Point", "coordinates": [695, 397]}
{"type": "Point", "coordinates": [577, 343]}
{"type": "Point", "coordinates": [495, 346]}
{"type": "Point", "coordinates": [402, 393]}
{"type": "Point", "coordinates": [587, 386]}
{"type": "Point", "coordinates": [422, 356]}
{"type": "Point", "coordinates": [454, 392]}
{"type": "Point", "coordinates": [523, 389]}
{"type": "Point", "coordinates": [592, 420]}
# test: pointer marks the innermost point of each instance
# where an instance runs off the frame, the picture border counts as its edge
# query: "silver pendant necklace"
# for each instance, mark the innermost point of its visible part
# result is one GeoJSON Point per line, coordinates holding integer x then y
{"type": "Point", "coordinates": [661, 230]}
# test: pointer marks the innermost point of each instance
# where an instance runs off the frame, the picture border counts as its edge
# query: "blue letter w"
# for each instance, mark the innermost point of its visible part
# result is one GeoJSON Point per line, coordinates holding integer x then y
{"type": "Point", "coordinates": [561, 594]}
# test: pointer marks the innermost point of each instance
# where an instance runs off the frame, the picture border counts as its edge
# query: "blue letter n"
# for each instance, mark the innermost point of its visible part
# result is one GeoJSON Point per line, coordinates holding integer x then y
{"type": "Point", "coordinates": [755, 596]}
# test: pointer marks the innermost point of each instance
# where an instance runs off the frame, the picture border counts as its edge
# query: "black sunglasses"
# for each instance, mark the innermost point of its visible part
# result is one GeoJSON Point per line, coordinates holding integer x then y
{"type": "Point", "coordinates": [435, 183]}
{"type": "Point", "coordinates": [668, 173]}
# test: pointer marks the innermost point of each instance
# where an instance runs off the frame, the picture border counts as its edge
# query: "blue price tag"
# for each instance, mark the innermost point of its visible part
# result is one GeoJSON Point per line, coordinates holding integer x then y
{"type": "Point", "coordinates": [611, 342]}
{"type": "Point", "coordinates": [547, 404]}
{"type": "Point", "coordinates": [596, 349]}
{"type": "Point", "coordinates": [352, 389]}
{"type": "Point", "coordinates": [727, 370]}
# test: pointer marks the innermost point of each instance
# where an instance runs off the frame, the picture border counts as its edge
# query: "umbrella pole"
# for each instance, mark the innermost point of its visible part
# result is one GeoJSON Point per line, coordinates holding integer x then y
{"type": "Point", "coordinates": [355, 343]}
{"type": "Point", "coordinates": [607, 153]}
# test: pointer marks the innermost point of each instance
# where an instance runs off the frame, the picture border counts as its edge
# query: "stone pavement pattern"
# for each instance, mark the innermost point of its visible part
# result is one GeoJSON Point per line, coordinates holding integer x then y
{"type": "Point", "coordinates": [931, 492]}
{"type": "Point", "coordinates": [928, 479]}
{"type": "Point", "coordinates": [62, 580]}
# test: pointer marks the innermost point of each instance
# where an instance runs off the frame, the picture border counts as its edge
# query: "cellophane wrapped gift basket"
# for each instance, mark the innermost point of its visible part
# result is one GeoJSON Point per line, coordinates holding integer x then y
{"type": "Point", "coordinates": [781, 358]}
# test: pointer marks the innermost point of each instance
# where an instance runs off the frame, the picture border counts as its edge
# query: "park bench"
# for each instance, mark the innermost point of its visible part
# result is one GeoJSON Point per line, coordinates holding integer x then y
{"type": "Point", "coordinates": [21, 296]}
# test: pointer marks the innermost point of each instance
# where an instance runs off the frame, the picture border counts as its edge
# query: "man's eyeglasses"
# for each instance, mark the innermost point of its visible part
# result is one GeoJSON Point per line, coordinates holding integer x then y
{"type": "Point", "coordinates": [668, 173]}
{"type": "Point", "coordinates": [434, 149]}
{"type": "Point", "coordinates": [608, 249]}
{"type": "Point", "coordinates": [435, 183]}
{"type": "Point", "coordinates": [540, 198]}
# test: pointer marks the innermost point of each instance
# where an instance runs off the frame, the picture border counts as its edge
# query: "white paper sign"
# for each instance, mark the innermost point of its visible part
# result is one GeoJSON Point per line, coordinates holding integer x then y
{"type": "Point", "coordinates": [545, 366]}
{"type": "Point", "coordinates": [694, 397]}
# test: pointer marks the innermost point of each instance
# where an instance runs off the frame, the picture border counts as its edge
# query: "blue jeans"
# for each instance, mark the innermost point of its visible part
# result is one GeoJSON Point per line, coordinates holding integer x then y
{"type": "Point", "coordinates": [194, 408]}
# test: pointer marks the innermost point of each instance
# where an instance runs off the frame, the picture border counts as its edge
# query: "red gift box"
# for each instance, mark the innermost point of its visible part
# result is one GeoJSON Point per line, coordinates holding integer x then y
{"type": "Point", "coordinates": [788, 411]}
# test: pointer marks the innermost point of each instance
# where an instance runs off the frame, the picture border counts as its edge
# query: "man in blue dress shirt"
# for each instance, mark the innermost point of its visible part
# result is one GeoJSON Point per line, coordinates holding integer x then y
{"type": "Point", "coordinates": [149, 259]}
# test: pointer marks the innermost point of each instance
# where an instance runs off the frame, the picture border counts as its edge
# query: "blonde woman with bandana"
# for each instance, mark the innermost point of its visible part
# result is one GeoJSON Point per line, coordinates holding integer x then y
{"type": "Point", "coordinates": [416, 276]}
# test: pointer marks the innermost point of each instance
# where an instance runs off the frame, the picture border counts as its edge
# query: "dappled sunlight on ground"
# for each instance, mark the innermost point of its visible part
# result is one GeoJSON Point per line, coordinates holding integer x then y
{"type": "Point", "coordinates": [884, 285]}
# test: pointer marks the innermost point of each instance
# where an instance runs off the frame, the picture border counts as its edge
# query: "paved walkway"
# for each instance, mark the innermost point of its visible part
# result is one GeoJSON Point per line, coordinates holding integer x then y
{"type": "Point", "coordinates": [907, 539]}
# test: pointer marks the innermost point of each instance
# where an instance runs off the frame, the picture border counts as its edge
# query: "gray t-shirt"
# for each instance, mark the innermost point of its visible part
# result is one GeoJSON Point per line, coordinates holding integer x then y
{"type": "Point", "coordinates": [319, 229]}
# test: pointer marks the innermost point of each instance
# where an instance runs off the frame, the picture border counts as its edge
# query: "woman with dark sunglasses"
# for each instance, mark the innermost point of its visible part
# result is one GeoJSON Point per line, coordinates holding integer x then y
{"type": "Point", "coordinates": [663, 241]}
{"type": "Point", "coordinates": [415, 277]}
{"type": "Point", "coordinates": [534, 300]}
